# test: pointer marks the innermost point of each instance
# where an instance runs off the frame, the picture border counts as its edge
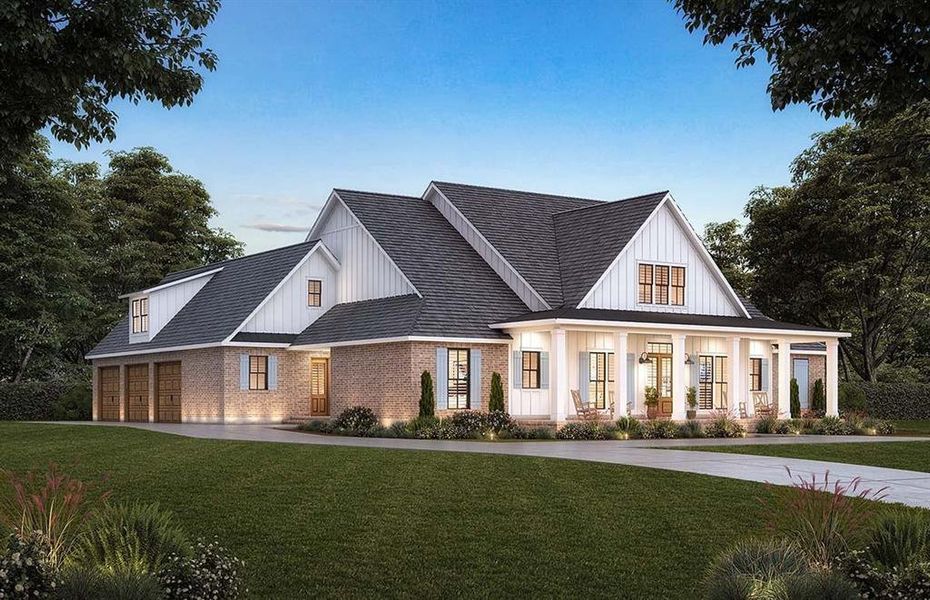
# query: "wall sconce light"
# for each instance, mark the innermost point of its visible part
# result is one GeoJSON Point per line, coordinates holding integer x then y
{"type": "Point", "coordinates": [644, 358]}
{"type": "Point", "coordinates": [688, 359]}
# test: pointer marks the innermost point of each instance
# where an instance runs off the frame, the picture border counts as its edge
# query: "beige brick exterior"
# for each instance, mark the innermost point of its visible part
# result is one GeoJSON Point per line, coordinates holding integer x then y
{"type": "Point", "coordinates": [817, 369]}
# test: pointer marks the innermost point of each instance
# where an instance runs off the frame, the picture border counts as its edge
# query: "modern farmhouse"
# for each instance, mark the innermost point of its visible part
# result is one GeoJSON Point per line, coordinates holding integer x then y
{"type": "Point", "coordinates": [580, 305]}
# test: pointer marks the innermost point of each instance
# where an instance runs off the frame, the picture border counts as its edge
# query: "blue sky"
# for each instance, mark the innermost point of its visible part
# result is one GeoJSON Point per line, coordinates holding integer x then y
{"type": "Point", "coordinates": [602, 100]}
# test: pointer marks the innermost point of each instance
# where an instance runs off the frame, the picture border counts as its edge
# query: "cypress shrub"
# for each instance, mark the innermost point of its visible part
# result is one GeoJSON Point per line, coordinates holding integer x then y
{"type": "Point", "coordinates": [496, 402]}
{"type": "Point", "coordinates": [819, 397]}
{"type": "Point", "coordinates": [795, 399]}
{"type": "Point", "coordinates": [427, 400]}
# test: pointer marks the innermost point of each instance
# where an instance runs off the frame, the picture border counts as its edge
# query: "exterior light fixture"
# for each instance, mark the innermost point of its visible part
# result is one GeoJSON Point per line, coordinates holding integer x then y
{"type": "Point", "coordinates": [688, 359]}
{"type": "Point", "coordinates": [644, 358]}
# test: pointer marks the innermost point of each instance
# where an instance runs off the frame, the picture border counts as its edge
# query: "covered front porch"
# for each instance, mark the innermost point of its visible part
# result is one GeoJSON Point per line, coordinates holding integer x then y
{"type": "Point", "coordinates": [608, 368]}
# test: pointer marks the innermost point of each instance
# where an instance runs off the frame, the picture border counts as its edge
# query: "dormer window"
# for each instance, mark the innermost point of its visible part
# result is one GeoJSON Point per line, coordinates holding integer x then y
{"type": "Point", "coordinates": [661, 284]}
{"type": "Point", "coordinates": [140, 315]}
{"type": "Point", "coordinates": [314, 292]}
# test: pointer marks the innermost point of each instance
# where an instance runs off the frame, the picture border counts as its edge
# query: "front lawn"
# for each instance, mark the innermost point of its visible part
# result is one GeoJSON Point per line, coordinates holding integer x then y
{"type": "Point", "coordinates": [912, 427]}
{"type": "Point", "coordinates": [315, 521]}
{"type": "Point", "coordinates": [911, 456]}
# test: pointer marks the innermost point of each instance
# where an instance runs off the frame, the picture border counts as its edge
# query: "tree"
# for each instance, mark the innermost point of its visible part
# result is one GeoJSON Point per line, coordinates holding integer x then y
{"type": "Point", "coordinates": [818, 398]}
{"type": "Point", "coordinates": [496, 401]}
{"type": "Point", "coordinates": [847, 245]}
{"type": "Point", "coordinates": [727, 247]}
{"type": "Point", "coordinates": [795, 399]}
{"type": "Point", "coordinates": [64, 62]}
{"type": "Point", "coordinates": [861, 58]}
{"type": "Point", "coordinates": [427, 399]}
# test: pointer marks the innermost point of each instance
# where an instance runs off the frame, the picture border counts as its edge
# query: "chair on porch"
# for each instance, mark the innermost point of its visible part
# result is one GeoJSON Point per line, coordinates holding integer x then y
{"type": "Point", "coordinates": [613, 410]}
{"type": "Point", "coordinates": [586, 410]}
{"type": "Point", "coordinates": [761, 403]}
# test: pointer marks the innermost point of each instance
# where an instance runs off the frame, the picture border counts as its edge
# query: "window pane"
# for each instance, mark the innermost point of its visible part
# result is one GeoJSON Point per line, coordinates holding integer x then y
{"type": "Point", "coordinates": [678, 286]}
{"type": "Point", "coordinates": [645, 284]}
{"type": "Point", "coordinates": [458, 378]}
{"type": "Point", "coordinates": [661, 289]}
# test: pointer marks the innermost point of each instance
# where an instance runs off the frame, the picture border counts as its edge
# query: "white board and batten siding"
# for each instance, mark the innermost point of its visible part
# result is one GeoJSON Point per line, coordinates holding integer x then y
{"type": "Point", "coordinates": [528, 402]}
{"type": "Point", "coordinates": [503, 269]}
{"type": "Point", "coordinates": [365, 271]}
{"type": "Point", "coordinates": [165, 303]}
{"type": "Point", "coordinates": [287, 311]}
{"type": "Point", "coordinates": [663, 240]}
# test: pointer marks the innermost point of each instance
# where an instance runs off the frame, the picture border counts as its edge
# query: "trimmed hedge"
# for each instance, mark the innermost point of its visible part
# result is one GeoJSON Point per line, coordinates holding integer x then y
{"type": "Point", "coordinates": [44, 401]}
{"type": "Point", "coordinates": [896, 401]}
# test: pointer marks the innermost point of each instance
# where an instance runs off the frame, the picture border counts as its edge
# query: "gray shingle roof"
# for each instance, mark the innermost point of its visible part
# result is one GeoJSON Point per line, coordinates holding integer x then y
{"type": "Point", "coordinates": [222, 305]}
{"type": "Point", "coordinates": [367, 320]}
{"type": "Point", "coordinates": [634, 316]}
{"type": "Point", "coordinates": [590, 238]}
{"type": "Point", "coordinates": [461, 293]}
{"type": "Point", "coordinates": [809, 347]}
{"type": "Point", "coordinates": [519, 225]}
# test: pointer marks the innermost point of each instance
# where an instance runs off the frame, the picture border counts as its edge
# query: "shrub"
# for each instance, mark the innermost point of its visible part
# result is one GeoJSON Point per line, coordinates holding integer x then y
{"type": "Point", "coordinates": [357, 418]}
{"type": "Point", "coordinates": [818, 398]}
{"type": "Point", "coordinates": [631, 426]}
{"type": "Point", "coordinates": [472, 422]}
{"type": "Point", "coordinates": [133, 538]}
{"type": "Point", "coordinates": [316, 426]}
{"type": "Point", "coordinates": [26, 569]}
{"type": "Point", "coordinates": [496, 401]}
{"type": "Point", "coordinates": [421, 422]}
{"type": "Point", "coordinates": [792, 426]}
{"type": "Point", "coordinates": [95, 584]}
{"type": "Point", "coordinates": [851, 399]}
{"type": "Point", "coordinates": [832, 426]}
{"type": "Point", "coordinates": [899, 539]}
{"type": "Point", "coordinates": [876, 581]}
{"type": "Point", "coordinates": [584, 430]}
{"type": "Point", "coordinates": [690, 429]}
{"type": "Point", "coordinates": [53, 502]}
{"type": "Point", "coordinates": [724, 427]}
{"type": "Point", "coordinates": [498, 421]}
{"type": "Point", "coordinates": [767, 424]}
{"type": "Point", "coordinates": [427, 398]}
{"type": "Point", "coordinates": [31, 400]}
{"type": "Point", "coordinates": [898, 401]}
{"type": "Point", "coordinates": [211, 572]}
{"type": "Point", "coordinates": [659, 429]}
{"type": "Point", "coordinates": [795, 399]}
{"type": "Point", "coordinates": [872, 426]}
{"type": "Point", "coordinates": [76, 404]}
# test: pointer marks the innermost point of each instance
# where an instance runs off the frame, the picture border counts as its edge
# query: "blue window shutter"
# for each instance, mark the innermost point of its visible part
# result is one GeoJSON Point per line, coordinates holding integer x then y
{"type": "Point", "coordinates": [584, 374]}
{"type": "Point", "coordinates": [517, 369]}
{"type": "Point", "coordinates": [766, 375]}
{"type": "Point", "coordinates": [474, 380]}
{"type": "Point", "coordinates": [442, 378]}
{"type": "Point", "coordinates": [272, 372]}
{"type": "Point", "coordinates": [544, 370]}
{"type": "Point", "coordinates": [631, 378]}
{"type": "Point", "coordinates": [695, 371]}
{"type": "Point", "coordinates": [243, 371]}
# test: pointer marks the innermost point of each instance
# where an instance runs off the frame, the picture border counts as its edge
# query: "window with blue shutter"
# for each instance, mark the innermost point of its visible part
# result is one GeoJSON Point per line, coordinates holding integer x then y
{"type": "Point", "coordinates": [544, 370]}
{"type": "Point", "coordinates": [442, 378]}
{"type": "Point", "coordinates": [474, 379]}
{"type": "Point", "coordinates": [243, 371]}
{"type": "Point", "coordinates": [517, 377]}
{"type": "Point", "coordinates": [583, 375]}
{"type": "Point", "coordinates": [272, 372]}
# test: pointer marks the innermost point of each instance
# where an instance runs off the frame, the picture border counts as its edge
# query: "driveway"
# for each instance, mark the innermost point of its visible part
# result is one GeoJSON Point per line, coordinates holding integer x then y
{"type": "Point", "coordinates": [907, 487]}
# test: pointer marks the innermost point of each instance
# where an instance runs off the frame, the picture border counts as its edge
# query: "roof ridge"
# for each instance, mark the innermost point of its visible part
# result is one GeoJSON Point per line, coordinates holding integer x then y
{"type": "Point", "coordinates": [337, 190]}
{"type": "Point", "coordinates": [510, 190]}
{"type": "Point", "coordinates": [662, 193]}
{"type": "Point", "coordinates": [243, 257]}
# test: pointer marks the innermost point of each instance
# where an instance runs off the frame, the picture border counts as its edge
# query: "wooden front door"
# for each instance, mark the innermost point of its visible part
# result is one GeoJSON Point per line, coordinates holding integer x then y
{"type": "Point", "coordinates": [319, 387]}
{"type": "Point", "coordinates": [108, 394]}
{"type": "Point", "coordinates": [137, 393]}
{"type": "Point", "coordinates": [662, 363]}
{"type": "Point", "coordinates": [168, 392]}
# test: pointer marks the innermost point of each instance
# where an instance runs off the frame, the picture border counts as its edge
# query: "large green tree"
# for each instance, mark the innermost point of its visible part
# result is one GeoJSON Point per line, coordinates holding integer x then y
{"type": "Point", "coordinates": [847, 246]}
{"type": "Point", "coordinates": [859, 58]}
{"type": "Point", "coordinates": [64, 61]}
{"type": "Point", "coordinates": [727, 246]}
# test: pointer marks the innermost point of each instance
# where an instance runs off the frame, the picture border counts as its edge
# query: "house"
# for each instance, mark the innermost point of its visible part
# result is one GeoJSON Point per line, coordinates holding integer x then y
{"type": "Point", "coordinates": [554, 293]}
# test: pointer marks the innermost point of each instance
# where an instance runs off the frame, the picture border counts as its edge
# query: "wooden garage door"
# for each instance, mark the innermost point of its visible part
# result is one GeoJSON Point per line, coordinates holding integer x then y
{"type": "Point", "coordinates": [168, 392]}
{"type": "Point", "coordinates": [108, 396]}
{"type": "Point", "coordinates": [137, 393]}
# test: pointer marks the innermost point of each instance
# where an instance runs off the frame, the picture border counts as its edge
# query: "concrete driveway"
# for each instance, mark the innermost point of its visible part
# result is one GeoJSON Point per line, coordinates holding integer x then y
{"type": "Point", "coordinates": [907, 487]}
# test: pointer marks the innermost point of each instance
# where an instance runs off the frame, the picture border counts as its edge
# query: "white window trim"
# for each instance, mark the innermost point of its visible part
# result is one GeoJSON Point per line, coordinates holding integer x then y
{"type": "Point", "coordinates": [654, 264]}
{"type": "Point", "coordinates": [148, 316]}
{"type": "Point", "coordinates": [323, 286]}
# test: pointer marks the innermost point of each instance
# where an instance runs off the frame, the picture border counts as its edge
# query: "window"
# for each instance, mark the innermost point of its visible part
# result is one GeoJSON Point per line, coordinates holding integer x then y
{"type": "Point", "coordinates": [645, 284]}
{"type": "Point", "coordinates": [258, 372]}
{"type": "Point", "coordinates": [530, 370]}
{"type": "Point", "coordinates": [678, 286]}
{"type": "Point", "coordinates": [600, 373]}
{"type": "Point", "coordinates": [314, 292]}
{"type": "Point", "coordinates": [755, 374]}
{"type": "Point", "coordinates": [140, 315]}
{"type": "Point", "coordinates": [712, 382]}
{"type": "Point", "coordinates": [459, 368]}
{"type": "Point", "coordinates": [661, 284]}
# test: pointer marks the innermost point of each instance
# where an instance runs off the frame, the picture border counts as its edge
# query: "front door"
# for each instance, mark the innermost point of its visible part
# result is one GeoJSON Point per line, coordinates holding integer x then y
{"type": "Point", "coordinates": [319, 387]}
{"type": "Point", "coordinates": [663, 363]}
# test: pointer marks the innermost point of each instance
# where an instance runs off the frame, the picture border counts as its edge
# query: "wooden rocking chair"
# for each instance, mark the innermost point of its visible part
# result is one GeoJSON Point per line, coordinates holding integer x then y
{"type": "Point", "coordinates": [761, 404]}
{"type": "Point", "coordinates": [586, 411]}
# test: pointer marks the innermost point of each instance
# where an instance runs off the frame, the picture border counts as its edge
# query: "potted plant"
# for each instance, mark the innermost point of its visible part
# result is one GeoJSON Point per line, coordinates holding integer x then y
{"type": "Point", "coordinates": [652, 402]}
{"type": "Point", "coordinates": [691, 396]}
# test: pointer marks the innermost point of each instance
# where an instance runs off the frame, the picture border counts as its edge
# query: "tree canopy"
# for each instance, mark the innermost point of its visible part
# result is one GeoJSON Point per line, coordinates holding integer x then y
{"type": "Point", "coordinates": [727, 247]}
{"type": "Point", "coordinates": [64, 62]}
{"type": "Point", "coordinates": [858, 58]}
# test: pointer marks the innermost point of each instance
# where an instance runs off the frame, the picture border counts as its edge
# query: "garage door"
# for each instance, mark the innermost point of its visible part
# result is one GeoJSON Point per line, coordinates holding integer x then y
{"type": "Point", "coordinates": [168, 392]}
{"type": "Point", "coordinates": [137, 393]}
{"type": "Point", "coordinates": [108, 396]}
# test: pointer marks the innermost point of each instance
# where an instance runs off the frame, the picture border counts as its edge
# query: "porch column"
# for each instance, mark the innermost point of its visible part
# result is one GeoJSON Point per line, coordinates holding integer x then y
{"type": "Point", "coordinates": [559, 367]}
{"type": "Point", "coordinates": [679, 378]}
{"type": "Point", "coordinates": [735, 393]}
{"type": "Point", "coordinates": [784, 378]}
{"type": "Point", "coordinates": [621, 348]}
{"type": "Point", "coordinates": [833, 377]}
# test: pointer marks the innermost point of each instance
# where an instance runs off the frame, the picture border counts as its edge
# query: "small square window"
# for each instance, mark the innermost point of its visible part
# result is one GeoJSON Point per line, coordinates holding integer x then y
{"type": "Point", "coordinates": [314, 292]}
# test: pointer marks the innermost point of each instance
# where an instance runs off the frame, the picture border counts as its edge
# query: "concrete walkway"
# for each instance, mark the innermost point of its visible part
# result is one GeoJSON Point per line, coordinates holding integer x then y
{"type": "Point", "coordinates": [908, 487]}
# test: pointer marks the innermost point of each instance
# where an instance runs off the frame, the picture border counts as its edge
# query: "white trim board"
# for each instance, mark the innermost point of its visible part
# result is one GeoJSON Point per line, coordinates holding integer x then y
{"type": "Point", "coordinates": [402, 338]}
{"type": "Point", "coordinates": [170, 283]}
{"type": "Point", "coordinates": [807, 335]}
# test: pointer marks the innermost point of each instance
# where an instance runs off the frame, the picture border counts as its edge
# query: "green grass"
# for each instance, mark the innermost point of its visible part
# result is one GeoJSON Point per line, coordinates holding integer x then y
{"type": "Point", "coordinates": [911, 456]}
{"type": "Point", "coordinates": [912, 427]}
{"type": "Point", "coordinates": [316, 521]}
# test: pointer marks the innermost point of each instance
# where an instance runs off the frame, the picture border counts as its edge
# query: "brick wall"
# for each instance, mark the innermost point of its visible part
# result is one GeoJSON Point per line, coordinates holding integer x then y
{"type": "Point", "coordinates": [386, 377]}
{"type": "Point", "coordinates": [817, 369]}
{"type": "Point", "coordinates": [291, 399]}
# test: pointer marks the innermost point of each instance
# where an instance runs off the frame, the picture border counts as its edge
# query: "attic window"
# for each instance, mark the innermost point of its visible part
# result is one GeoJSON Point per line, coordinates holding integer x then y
{"type": "Point", "coordinates": [661, 284]}
{"type": "Point", "coordinates": [140, 315]}
{"type": "Point", "coordinates": [314, 292]}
